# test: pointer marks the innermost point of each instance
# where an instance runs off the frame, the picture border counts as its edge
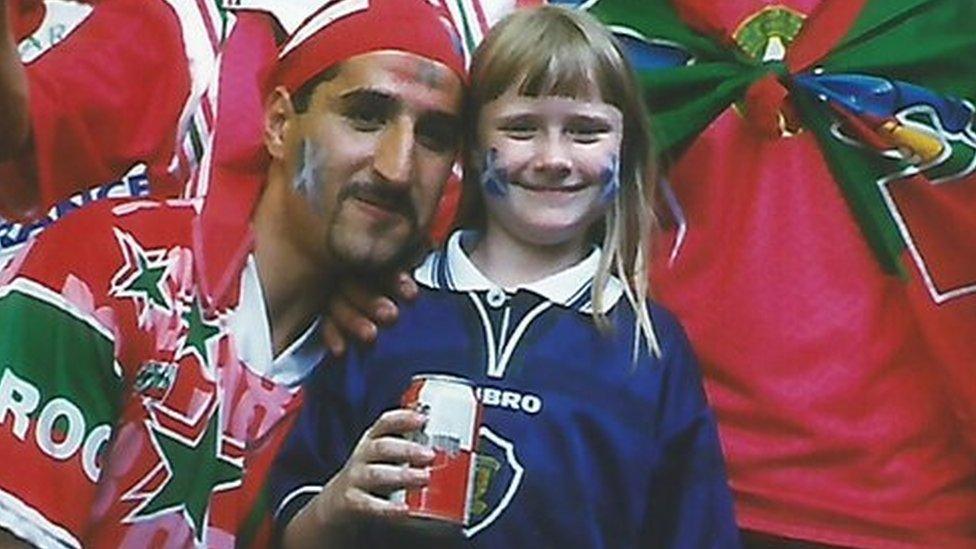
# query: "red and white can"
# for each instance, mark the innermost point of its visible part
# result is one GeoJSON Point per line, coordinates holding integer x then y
{"type": "Point", "coordinates": [453, 419]}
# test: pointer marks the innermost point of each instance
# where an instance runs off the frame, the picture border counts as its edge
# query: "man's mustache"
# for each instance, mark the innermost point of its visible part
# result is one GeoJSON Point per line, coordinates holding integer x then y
{"type": "Point", "coordinates": [390, 198]}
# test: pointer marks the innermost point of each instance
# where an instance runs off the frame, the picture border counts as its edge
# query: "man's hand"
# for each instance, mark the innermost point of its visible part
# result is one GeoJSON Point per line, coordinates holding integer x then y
{"type": "Point", "coordinates": [361, 488]}
{"type": "Point", "coordinates": [357, 310]}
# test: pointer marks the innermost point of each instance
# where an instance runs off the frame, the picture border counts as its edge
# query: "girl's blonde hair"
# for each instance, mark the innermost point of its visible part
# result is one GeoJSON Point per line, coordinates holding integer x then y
{"type": "Point", "coordinates": [547, 51]}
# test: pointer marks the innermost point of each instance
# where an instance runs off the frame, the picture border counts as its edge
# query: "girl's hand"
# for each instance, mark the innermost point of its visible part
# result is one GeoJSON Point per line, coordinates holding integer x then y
{"type": "Point", "coordinates": [374, 470]}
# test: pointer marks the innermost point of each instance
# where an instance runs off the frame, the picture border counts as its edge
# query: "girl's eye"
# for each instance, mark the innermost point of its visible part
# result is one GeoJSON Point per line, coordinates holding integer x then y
{"type": "Point", "coordinates": [519, 132]}
{"type": "Point", "coordinates": [587, 133]}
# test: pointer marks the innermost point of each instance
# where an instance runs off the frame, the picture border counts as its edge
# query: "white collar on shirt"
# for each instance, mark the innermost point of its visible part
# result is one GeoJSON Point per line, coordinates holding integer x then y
{"type": "Point", "coordinates": [452, 269]}
{"type": "Point", "coordinates": [252, 337]}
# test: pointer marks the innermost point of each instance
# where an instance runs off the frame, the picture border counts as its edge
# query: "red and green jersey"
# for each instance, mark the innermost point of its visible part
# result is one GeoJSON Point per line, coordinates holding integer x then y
{"type": "Point", "coordinates": [137, 407]}
{"type": "Point", "coordinates": [820, 163]}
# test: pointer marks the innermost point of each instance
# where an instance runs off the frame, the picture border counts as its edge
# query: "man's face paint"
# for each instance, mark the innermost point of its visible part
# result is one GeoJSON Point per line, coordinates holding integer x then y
{"type": "Point", "coordinates": [494, 180]}
{"type": "Point", "coordinates": [308, 171]}
{"type": "Point", "coordinates": [375, 148]}
{"type": "Point", "coordinates": [422, 71]}
{"type": "Point", "coordinates": [610, 178]}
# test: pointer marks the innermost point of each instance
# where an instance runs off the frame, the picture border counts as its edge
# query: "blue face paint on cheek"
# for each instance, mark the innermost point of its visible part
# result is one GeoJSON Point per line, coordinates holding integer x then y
{"type": "Point", "coordinates": [610, 178]}
{"type": "Point", "coordinates": [307, 180]}
{"type": "Point", "coordinates": [494, 180]}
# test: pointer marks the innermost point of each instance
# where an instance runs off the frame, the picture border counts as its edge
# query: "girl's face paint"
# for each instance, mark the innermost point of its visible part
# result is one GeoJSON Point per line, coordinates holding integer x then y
{"type": "Point", "coordinates": [494, 180]}
{"type": "Point", "coordinates": [611, 180]}
{"type": "Point", "coordinates": [551, 164]}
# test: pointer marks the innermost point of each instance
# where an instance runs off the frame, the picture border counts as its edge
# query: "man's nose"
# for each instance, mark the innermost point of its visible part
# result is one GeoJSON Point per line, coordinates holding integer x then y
{"type": "Point", "coordinates": [394, 155]}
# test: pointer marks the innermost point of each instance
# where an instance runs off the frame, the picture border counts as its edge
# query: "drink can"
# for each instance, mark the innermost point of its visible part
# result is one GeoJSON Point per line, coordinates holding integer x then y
{"type": "Point", "coordinates": [453, 418]}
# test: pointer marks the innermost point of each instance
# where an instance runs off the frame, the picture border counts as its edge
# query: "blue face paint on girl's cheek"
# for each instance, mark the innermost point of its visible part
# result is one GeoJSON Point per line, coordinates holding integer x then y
{"type": "Point", "coordinates": [494, 180]}
{"type": "Point", "coordinates": [610, 178]}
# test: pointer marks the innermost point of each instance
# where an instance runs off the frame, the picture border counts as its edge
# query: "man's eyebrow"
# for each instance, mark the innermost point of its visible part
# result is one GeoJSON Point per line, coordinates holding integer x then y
{"type": "Point", "coordinates": [386, 99]}
{"type": "Point", "coordinates": [371, 95]}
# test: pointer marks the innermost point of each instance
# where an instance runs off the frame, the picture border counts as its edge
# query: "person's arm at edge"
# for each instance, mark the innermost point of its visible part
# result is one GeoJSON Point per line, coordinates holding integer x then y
{"type": "Point", "coordinates": [15, 136]}
{"type": "Point", "coordinates": [10, 541]}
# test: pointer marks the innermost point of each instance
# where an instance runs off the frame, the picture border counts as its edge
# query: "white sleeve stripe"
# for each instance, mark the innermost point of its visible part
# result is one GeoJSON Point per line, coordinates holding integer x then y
{"type": "Point", "coordinates": [309, 489]}
{"type": "Point", "coordinates": [210, 9]}
{"type": "Point", "coordinates": [31, 525]}
{"type": "Point", "coordinates": [201, 55]}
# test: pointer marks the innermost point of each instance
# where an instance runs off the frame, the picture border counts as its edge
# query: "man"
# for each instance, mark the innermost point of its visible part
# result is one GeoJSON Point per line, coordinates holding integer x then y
{"type": "Point", "coordinates": [180, 333]}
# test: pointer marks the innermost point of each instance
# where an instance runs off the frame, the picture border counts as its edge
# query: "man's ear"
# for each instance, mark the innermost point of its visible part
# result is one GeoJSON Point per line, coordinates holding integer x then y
{"type": "Point", "coordinates": [279, 119]}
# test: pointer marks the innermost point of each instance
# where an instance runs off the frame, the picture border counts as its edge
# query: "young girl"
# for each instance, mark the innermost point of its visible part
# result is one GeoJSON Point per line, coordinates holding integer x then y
{"type": "Point", "coordinates": [596, 431]}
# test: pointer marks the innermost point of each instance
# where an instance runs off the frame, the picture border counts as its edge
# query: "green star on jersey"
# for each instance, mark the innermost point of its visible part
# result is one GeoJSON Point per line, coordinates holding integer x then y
{"type": "Point", "coordinates": [142, 276]}
{"type": "Point", "coordinates": [199, 332]}
{"type": "Point", "coordinates": [196, 471]}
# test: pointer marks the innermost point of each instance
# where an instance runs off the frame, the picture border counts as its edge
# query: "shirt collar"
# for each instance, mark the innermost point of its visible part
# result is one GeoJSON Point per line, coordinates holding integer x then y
{"type": "Point", "coordinates": [252, 336]}
{"type": "Point", "coordinates": [451, 269]}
